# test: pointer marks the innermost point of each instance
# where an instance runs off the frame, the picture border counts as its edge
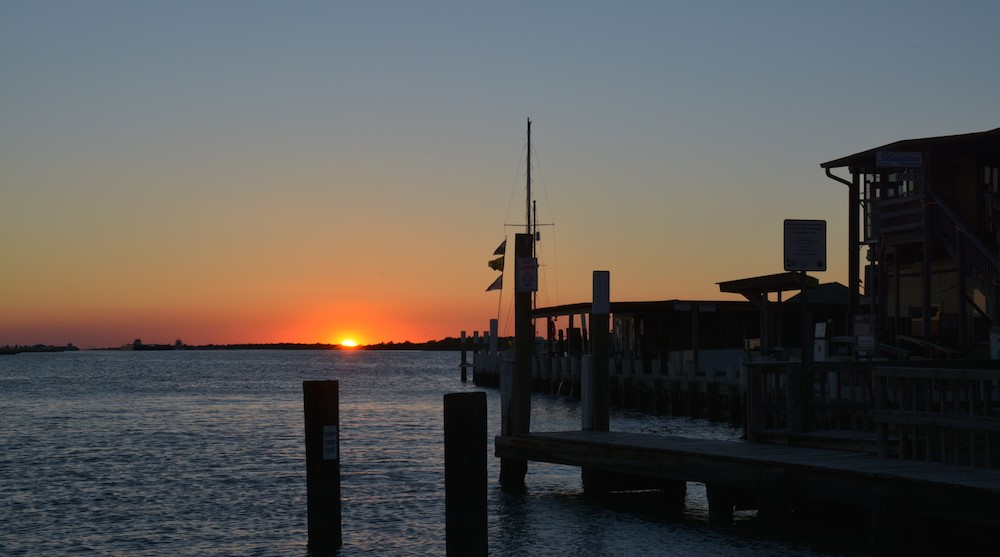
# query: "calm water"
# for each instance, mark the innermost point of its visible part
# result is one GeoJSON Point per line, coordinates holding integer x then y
{"type": "Point", "coordinates": [201, 454]}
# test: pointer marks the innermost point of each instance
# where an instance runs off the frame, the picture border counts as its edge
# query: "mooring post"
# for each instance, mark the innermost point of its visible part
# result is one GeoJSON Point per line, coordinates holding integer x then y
{"type": "Point", "coordinates": [600, 338]}
{"type": "Point", "coordinates": [597, 396]}
{"type": "Point", "coordinates": [720, 505]}
{"type": "Point", "coordinates": [465, 474]}
{"type": "Point", "coordinates": [321, 403]}
{"type": "Point", "coordinates": [463, 364]}
{"type": "Point", "coordinates": [493, 348]}
{"type": "Point", "coordinates": [772, 498]}
{"type": "Point", "coordinates": [888, 517]}
{"type": "Point", "coordinates": [512, 471]}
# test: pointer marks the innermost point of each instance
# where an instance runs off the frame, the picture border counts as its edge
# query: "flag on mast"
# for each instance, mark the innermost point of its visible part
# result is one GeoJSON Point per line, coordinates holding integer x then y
{"type": "Point", "coordinates": [501, 248]}
{"type": "Point", "coordinates": [497, 284]}
{"type": "Point", "coordinates": [496, 264]}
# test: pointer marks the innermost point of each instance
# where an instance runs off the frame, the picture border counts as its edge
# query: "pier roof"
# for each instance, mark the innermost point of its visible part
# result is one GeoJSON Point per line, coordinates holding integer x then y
{"type": "Point", "coordinates": [658, 306]}
{"type": "Point", "coordinates": [780, 282]}
{"type": "Point", "coordinates": [985, 143]}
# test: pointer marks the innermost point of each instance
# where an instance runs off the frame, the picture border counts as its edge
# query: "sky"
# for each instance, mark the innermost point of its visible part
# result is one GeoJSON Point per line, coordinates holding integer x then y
{"type": "Point", "coordinates": [241, 171]}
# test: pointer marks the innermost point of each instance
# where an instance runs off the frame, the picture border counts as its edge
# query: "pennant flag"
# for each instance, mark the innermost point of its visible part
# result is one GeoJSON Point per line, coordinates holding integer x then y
{"type": "Point", "coordinates": [497, 264]}
{"type": "Point", "coordinates": [501, 249]}
{"type": "Point", "coordinates": [497, 284]}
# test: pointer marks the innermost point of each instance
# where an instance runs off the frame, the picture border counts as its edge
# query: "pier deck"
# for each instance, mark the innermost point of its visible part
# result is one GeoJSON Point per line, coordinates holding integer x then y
{"type": "Point", "coordinates": [915, 488]}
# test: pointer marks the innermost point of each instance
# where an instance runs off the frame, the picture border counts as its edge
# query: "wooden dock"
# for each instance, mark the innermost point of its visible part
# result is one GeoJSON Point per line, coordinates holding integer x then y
{"type": "Point", "coordinates": [914, 448]}
{"type": "Point", "coordinates": [756, 475]}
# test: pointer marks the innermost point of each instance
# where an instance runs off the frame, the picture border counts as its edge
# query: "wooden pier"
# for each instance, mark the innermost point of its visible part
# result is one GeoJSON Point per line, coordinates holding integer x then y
{"type": "Point", "coordinates": [913, 451]}
{"type": "Point", "coordinates": [737, 474]}
{"type": "Point", "coordinates": [912, 448]}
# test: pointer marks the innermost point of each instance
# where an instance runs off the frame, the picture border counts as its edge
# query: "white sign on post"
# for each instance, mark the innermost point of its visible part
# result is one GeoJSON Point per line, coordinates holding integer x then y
{"type": "Point", "coordinates": [526, 274]}
{"type": "Point", "coordinates": [805, 245]}
{"type": "Point", "coordinates": [331, 440]}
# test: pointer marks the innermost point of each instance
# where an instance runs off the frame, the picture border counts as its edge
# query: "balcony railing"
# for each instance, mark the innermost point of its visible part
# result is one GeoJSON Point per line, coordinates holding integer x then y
{"type": "Point", "coordinates": [964, 245]}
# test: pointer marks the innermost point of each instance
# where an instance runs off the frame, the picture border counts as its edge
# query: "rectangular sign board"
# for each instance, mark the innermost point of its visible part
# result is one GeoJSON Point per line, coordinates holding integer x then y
{"type": "Point", "coordinates": [805, 245]}
{"type": "Point", "coordinates": [526, 274]}
{"type": "Point", "coordinates": [331, 442]}
{"type": "Point", "coordinates": [898, 159]}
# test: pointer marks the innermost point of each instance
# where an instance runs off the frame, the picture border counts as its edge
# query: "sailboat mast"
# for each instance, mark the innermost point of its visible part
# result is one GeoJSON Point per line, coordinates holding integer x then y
{"type": "Point", "coordinates": [527, 211]}
{"type": "Point", "coordinates": [534, 227]}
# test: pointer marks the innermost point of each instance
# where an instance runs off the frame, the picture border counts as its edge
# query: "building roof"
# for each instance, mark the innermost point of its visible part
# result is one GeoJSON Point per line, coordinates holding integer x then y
{"type": "Point", "coordinates": [987, 142]}
{"type": "Point", "coordinates": [832, 293]}
{"type": "Point", "coordinates": [768, 283]}
{"type": "Point", "coordinates": [658, 306]}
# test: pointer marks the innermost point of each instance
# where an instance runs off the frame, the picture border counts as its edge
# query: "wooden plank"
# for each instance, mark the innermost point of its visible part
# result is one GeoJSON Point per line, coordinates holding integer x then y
{"type": "Point", "coordinates": [930, 419]}
{"type": "Point", "coordinates": [936, 373]}
{"type": "Point", "coordinates": [675, 457]}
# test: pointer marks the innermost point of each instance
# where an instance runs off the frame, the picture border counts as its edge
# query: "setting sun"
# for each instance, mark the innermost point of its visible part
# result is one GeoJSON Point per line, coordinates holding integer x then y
{"type": "Point", "coordinates": [349, 343]}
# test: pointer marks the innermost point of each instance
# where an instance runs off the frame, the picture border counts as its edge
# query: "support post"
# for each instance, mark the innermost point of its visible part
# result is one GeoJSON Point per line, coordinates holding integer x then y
{"type": "Point", "coordinates": [493, 360]}
{"type": "Point", "coordinates": [601, 349]}
{"type": "Point", "coordinates": [772, 498]}
{"type": "Point", "coordinates": [888, 518]}
{"type": "Point", "coordinates": [597, 396]}
{"type": "Point", "coordinates": [466, 533]}
{"type": "Point", "coordinates": [853, 247]}
{"type": "Point", "coordinates": [799, 379]}
{"type": "Point", "coordinates": [927, 293]}
{"type": "Point", "coordinates": [321, 403]}
{"type": "Point", "coordinates": [512, 471]}
{"type": "Point", "coordinates": [463, 364]}
{"type": "Point", "coordinates": [720, 505]}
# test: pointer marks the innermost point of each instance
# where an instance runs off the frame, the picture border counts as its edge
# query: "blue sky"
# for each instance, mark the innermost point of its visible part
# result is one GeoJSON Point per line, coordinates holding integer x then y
{"type": "Point", "coordinates": [169, 164]}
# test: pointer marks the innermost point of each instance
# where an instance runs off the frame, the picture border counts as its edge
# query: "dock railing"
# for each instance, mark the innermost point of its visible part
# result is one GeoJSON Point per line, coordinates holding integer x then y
{"type": "Point", "coordinates": [838, 399]}
{"type": "Point", "coordinates": [938, 415]}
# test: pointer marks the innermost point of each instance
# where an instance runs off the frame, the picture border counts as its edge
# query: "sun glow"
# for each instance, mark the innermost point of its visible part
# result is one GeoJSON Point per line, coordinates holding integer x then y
{"type": "Point", "coordinates": [348, 343]}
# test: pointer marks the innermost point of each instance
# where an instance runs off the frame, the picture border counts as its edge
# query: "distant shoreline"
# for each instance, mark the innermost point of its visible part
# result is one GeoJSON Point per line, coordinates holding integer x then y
{"type": "Point", "coordinates": [36, 348]}
{"type": "Point", "coordinates": [447, 344]}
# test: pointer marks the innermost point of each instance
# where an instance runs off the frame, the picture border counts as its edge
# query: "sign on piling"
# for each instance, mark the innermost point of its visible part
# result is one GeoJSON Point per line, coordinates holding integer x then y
{"type": "Point", "coordinates": [321, 403]}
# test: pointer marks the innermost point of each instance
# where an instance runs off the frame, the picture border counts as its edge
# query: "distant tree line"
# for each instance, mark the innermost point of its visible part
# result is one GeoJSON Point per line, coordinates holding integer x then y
{"type": "Point", "coordinates": [16, 349]}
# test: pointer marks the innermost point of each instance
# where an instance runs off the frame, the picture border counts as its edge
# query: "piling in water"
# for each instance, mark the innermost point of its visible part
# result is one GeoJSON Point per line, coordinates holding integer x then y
{"type": "Point", "coordinates": [465, 474]}
{"type": "Point", "coordinates": [321, 403]}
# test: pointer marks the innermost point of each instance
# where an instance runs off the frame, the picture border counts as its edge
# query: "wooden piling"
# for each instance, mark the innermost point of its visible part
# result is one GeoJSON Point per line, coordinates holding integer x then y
{"type": "Point", "coordinates": [321, 404]}
{"type": "Point", "coordinates": [721, 504]}
{"type": "Point", "coordinates": [512, 471]}
{"type": "Point", "coordinates": [888, 518]}
{"type": "Point", "coordinates": [464, 361]}
{"type": "Point", "coordinates": [465, 474]}
{"type": "Point", "coordinates": [601, 349]}
{"type": "Point", "coordinates": [772, 498]}
{"type": "Point", "coordinates": [597, 397]}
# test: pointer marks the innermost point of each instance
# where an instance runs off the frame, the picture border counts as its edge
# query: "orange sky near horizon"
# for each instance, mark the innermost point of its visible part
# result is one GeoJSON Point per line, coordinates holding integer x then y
{"type": "Point", "coordinates": [241, 172]}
